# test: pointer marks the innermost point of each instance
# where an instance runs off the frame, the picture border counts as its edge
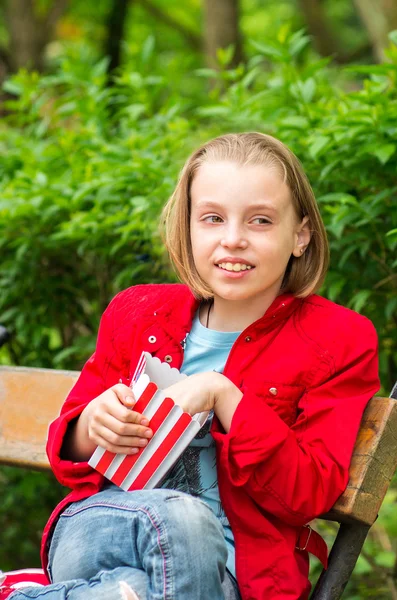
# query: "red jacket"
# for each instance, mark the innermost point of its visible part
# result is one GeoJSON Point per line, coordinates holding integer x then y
{"type": "Point", "coordinates": [307, 369]}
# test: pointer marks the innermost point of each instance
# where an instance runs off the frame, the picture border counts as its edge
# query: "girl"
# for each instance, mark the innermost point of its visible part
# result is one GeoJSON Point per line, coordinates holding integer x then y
{"type": "Point", "coordinates": [286, 373]}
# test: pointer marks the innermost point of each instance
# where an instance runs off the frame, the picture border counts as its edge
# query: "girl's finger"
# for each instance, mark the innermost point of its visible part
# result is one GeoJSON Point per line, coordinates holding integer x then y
{"type": "Point", "coordinates": [116, 449]}
{"type": "Point", "coordinates": [121, 441]}
{"type": "Point", "coordinates": [126, 415]}
{"type": "Point", "coordinates": [125, 429]}
{"type": "Point", "coordinates": [124, 394]}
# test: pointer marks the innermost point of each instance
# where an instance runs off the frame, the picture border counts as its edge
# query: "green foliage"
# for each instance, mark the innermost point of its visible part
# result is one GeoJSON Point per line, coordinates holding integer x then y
{"type": "Point", "coordinates": [24, 493]}
{"type": "Point", "coordinates": [374, 574]}
{"type": "Point", "coordinates": [86, 167]}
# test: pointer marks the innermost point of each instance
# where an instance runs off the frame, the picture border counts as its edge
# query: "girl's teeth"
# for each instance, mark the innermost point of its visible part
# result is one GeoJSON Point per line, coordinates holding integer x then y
{"type": "Point", "coordinates": [234, 267]}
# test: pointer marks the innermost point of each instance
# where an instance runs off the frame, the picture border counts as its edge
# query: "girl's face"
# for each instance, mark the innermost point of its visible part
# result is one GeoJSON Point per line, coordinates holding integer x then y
{"type": "Point", "coordinates": [242, 216]}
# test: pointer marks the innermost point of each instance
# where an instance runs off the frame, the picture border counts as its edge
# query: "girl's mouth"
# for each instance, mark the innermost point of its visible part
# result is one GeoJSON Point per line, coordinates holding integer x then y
{"type": "Point", "coordinates": [234, 267]}
{"type": "Point", "coordinates": [234, 274]}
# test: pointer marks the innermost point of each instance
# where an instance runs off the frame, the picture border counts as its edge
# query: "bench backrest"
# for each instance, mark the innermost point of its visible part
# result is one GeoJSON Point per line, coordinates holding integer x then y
{"type": "Point", "coordinates": [31, 398]}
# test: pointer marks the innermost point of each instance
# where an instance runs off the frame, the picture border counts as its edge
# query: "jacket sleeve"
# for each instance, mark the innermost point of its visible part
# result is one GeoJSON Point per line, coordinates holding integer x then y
{"type": "Point", "coordinates": [297, 473]}
{"type": "Point", "coordinates": [99, 373]}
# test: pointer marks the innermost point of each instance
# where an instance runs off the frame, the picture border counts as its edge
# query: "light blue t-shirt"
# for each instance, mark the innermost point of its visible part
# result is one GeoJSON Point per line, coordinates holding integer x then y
{"type": "Point", "coordinates": [195, 471]}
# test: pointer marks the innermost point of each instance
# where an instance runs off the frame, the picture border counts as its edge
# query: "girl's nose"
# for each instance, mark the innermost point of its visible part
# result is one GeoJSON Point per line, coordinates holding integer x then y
{"type": "Point", "coordinates": [233, 238]}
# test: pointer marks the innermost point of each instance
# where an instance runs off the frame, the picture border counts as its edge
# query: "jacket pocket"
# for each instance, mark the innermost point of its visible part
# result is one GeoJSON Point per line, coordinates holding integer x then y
{"type": "Point", "coordinates": [283, 398]}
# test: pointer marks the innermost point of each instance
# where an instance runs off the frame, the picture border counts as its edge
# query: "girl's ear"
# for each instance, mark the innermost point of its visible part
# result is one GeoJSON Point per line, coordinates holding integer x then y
{"type": "Point", "coordinates": [303, 235]}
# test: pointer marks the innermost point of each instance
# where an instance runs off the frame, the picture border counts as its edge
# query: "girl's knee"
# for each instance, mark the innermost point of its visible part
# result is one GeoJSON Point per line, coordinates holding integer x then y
{"type": "Point", "coordinates": [192, 519]}
{"type": "Point", "coordinates": [192, 510]}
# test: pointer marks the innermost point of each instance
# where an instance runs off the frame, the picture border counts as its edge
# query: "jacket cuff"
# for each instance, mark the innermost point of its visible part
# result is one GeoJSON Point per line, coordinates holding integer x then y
{"type": "Point", "coordinates": [256, 433]}
{"type": "Point", "coordinates": [69, 473]}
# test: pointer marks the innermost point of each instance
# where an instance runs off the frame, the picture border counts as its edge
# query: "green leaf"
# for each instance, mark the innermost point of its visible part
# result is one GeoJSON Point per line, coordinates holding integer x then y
{"type": "Point", "coordinates": [225, 55]}
{"type": "Point", "coordinates": [362, 566]}
{"type": "Point", "coordinates": [8, 315]}
{"type": "Point", "coordinates": [41, 179]}
{"type": "Point", "coordinates": [148, 48]}
{"type": "Point", "coordinates": [335, 289]}
{"type": "Point", "coordinates": [268, 50]}
{"type": "Point", "coordinates": [390, 308]}
{"type": "Point", "coordinates": [392, 35]}
{"type": "Point", "coordinates": [205, 72]}
{"type": "Point", "coordinates": [383, 153]}
{"type": "Point", "coordinates": [308, 89]}
{"type": "Point", "coordinates": [385, 558]}
{"type": "Point", "coordinates": [250, 77]}
{"type": "Point", "coordinates": [359, 299]}
{"type": "Point", "coordinates": [345, 255]}
{"type": "Point", "coordinates": [364, 247]}
{"type": "Point", "coordinates": [339, 197]}
{"type": "Point", "coordinates": [295, 122]}
{"type": "Point", "coordinates": [328, 169]}
{"type": "Point", "coordinates": [392, 233]}
{"type": "Point", "coordinates": [12, 87]}
{"type": "Point", "coordinates": [382, 69]}
{"type": "Point", "coordinates": [318, 145]}
{"type": "Point", "coordinates": [297, 42]}
{"type": "Point", "coordinates": [213, 111]}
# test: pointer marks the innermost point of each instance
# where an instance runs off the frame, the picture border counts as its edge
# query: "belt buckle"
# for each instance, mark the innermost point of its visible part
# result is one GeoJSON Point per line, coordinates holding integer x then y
{"type": "Point", "coordinates": [307, 539]}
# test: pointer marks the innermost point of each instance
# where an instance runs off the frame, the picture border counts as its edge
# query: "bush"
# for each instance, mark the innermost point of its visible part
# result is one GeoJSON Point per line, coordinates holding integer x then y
{"type": "Point", "coordinates": [84, 172]}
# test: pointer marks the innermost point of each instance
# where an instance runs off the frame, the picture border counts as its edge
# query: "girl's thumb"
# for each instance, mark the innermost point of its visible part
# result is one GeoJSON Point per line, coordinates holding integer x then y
{"type": "Point", "coordinates": [129, 400]}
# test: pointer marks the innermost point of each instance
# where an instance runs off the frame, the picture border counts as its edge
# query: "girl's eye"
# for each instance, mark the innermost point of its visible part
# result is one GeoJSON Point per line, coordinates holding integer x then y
{"type": "Point", "coordinates": [212, 217]}
{"type": "Point", "coordinates": [264, 220]}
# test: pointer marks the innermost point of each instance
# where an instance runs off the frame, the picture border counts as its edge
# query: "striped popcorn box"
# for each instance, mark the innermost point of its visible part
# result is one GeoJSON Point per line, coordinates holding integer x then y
{"type": "Point", "coordinates": [173, 430]}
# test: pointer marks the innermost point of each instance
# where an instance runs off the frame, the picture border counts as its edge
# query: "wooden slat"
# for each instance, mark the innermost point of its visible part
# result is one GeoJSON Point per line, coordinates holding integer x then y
{"type": "Point", "coordinates": [29, 400]}
{"type": "Point", "coordinates": [373, 464]}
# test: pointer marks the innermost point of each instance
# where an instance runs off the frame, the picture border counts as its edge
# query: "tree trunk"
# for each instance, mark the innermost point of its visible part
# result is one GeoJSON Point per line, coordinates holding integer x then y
{"type": "Point", "coordinates": [379, 17]}
{"type": "Point", "coordinates": [323, 39]}
{"type": "Point", "coordinates": [115, 32]}
{"type": "Point", "coordinates": [192, 38]}
{"type": "Point", "coordinates": [29, 34]}
{"type": "Point", "coordinates": [221, 27]}
{"type": "Point", "coordinates": [26, 45]}
{"type": "Point", "coordinates": [390, 8]}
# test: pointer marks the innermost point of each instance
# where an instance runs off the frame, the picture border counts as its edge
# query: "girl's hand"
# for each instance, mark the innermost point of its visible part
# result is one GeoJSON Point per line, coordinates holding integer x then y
{"type": "Point", "coordinates": [197, 393]}
{"type": "Point", "coordinates": [112, 424]}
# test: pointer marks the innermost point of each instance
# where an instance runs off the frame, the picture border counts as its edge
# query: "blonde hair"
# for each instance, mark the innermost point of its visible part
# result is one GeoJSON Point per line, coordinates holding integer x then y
{"type": "Point", "coordinates": [304, 275]}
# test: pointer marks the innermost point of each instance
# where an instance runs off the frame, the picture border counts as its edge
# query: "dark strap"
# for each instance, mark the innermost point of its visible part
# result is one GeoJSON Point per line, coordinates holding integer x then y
{"type": "Point", "coordinates": [310, 541]}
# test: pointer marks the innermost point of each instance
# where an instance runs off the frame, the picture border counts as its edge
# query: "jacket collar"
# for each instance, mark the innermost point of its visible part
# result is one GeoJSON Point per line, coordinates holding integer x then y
{"type": "Point", "coordinates": [178, 313]}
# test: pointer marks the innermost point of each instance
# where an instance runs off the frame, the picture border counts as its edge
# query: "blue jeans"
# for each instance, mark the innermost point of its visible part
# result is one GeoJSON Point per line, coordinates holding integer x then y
{"type": "Point", "coordinates": [165, 545]}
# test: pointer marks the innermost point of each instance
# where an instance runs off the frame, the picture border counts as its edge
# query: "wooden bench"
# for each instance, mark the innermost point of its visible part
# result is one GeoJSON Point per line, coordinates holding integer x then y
{"type": "Point", "coordinates": [31, 398]}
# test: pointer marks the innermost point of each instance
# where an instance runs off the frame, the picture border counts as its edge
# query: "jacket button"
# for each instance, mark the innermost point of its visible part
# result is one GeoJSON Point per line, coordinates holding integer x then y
{"type": "Point", "coordinates": [248, 338]}
{"type": "Point", "coordinates": [168, 358]}
{"type": "Point", "coordinates": [152, 339]}
{"type": "Point", "coordinates": [273, 391]}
